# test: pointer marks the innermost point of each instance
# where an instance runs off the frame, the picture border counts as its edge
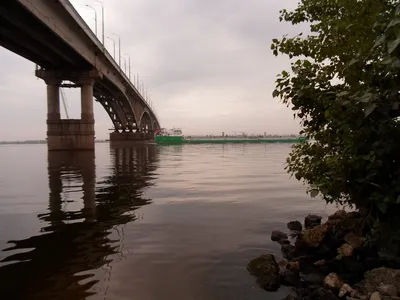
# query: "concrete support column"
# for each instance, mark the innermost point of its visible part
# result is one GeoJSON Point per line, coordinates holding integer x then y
{"type": "Point", "coordinates": [53, 99]}
{"type": "Point", "coordinates": [87, 100]}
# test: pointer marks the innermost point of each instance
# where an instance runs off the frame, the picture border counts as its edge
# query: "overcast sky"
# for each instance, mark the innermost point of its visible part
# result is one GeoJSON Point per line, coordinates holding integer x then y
{"type": "Point", "coordinates": [207, 66]}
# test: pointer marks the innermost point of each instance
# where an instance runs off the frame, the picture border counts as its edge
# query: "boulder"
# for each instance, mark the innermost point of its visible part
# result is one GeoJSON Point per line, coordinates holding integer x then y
{"type": "Point", "coordinates": [388, 290]}
{"type": "Point", "coordinates": [266, 270]}
{"type": "Point", "coordinates": [375, 296]}
{"type": "Point", "coordinates": [290, 297]}
{"type": "Point", "coordinates": [345, 250]}
{"type": "Point", "coordinates": [383, 276]}
{"type": "Point", "coordinates": [345, 289]}
{"type": "Point", "coordinates": [333, 282]}
{"type": "Point", "coordinates": [353, 215]}
{"type": "Point", "coordinates": [339, 215]}
{"type": "Point", "coordinates": [277, 236]}
{"type": "Point", "coordinates": [312, 278]}
{"type": "Point", "coordinates": [356, 241]}
{"type": "Point", "coordinates": [289, 278]}
{"type": "Point", "coordinates": [311, 221]}
{"type": "Point", "coordinates": [295, 226]}
{"type": "Point", "coordinates": [289, 251]}
{"type": "Point", "coordinates": [322, 294]}
{"type": "Point", "coordinates": [375, 278]}
{"type": "Point", "coordinates": [293, 266]}
{"type": "Point", "coordinates": [284, 242]}
{"type": "Point", "coordinates": [312, 238]}
{"type": "Point", "coordinates": [319, 263]}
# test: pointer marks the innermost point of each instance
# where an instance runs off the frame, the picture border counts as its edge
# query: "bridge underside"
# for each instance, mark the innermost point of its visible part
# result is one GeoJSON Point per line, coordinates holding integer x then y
{"type": "Point", "coordinates": [54, 49]}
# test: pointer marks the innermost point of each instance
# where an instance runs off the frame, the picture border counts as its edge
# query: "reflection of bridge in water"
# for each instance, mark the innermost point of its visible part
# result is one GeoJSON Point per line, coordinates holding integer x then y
{"type": "Point", "coordinates": [60, 262]}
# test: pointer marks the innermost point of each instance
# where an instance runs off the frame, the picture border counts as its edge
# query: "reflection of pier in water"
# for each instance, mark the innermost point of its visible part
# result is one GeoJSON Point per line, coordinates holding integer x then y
{"type": "Point", "coordinates": [59, 263]}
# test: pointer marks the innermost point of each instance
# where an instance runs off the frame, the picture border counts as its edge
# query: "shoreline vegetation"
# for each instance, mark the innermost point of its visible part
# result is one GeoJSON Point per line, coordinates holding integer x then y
{"type": "Point", "coordinates": [329, 261]}
{"type": "Point", "coordinates": [343, 86]}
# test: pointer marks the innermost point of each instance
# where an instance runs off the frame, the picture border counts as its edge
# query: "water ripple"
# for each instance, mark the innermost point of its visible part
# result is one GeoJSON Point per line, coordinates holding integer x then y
{"type": "Point", "coordinates": [143, 222]}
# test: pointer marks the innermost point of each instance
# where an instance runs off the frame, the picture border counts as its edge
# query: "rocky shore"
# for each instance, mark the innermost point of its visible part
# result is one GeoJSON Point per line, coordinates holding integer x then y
{"type": "Point", "coordinates": [329, 261]}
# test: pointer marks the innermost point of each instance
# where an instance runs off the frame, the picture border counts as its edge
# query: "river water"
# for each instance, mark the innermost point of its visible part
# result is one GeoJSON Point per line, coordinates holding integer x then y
{"type": "Point", "coordinates": [143, 222]}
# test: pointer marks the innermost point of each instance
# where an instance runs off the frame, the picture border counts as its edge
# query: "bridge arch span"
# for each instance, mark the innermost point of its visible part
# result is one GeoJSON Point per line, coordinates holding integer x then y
{"type": "Point", "coordinates": [118, 108]}
{"type": "Point", "coordinates": [146, 123]}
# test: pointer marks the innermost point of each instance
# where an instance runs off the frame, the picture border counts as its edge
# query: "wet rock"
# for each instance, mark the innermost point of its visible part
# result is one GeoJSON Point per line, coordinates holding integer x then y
{"type": "Point", "coordinates": [321, 262]}
{"type": "Point", "coordinates": [266, 270]}
{"type": "Point", "coordinates": [311, 221]}
{"type": "Point", "coordinates": [289, 251]}
{"type": "Point", "coordinates": [326, 252]}
{"type": "Point", "coordinates": [345, 226]}
{"type": "Point", "coordinates": [312, 278]}
{"type": "Point", "coordinates": [312, 238]}
{"type": "Point", "coordinates": [375, 296]}
{"type": "Point", "coordinates": [284, 242]}
{"type": "Point", "coordinates": [388, 290]}
{"type": "Point", "coordinates": [295, 226]}
{"type": "Point", "coordinates": [293, 266]}
{"type": "Point", "coordinates": [322, 293]}
{"type": "Point", "coordinates": [277, 235]}
{"type": "Point", "coordinates": [345, 289]}
{"type": "Point", "coordinates": [383, 276]}
{"type": "Point", "coordinates": [355, 241]}
{"type": "Point", "coordinates": [339, 215]}
{"type": "Point", "coordinates": [333, 282]}
{"type": "Point", "coordinates": [345, 250]}
{"type": "Point", "coordinates": [356, 294]}
{"type": "Point", "coordinates": [290, 297]}
{"type": "Point", "coordinates": [290, 278]}
{"type": "Point", "coordinates": [353, 215]}
{"type": "Point", "coordinates": [352, 265]}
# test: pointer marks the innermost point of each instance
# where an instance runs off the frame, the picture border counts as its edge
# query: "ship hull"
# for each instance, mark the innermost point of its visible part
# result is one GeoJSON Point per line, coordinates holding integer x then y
{"type": "Point", "coordinates": [181, 140]}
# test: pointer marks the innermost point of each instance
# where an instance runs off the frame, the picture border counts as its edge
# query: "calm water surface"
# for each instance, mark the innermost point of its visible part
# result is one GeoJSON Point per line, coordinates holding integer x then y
{"type": "Point", "coordinates": [144, 222]}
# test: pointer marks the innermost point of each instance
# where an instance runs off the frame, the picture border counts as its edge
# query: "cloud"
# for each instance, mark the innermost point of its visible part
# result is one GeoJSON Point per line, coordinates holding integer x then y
{"type": "Point", "coordinates": [207, 66]}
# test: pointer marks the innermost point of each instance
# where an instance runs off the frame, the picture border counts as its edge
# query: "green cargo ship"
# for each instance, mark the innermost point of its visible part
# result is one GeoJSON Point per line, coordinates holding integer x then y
{"type": "Point", "coordinates": [175, 136]}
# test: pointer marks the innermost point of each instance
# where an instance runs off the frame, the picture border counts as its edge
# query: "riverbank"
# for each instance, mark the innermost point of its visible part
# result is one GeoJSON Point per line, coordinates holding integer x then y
{"type": "Point", "coordinates": [330, 261]}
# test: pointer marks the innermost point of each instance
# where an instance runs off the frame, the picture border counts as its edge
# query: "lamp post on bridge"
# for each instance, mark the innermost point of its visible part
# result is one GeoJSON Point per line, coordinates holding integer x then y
{"type": "Point", "coordinates": [119, 47]}
{"type": "Point", "coordinates": [124, 64]}
{"type": "Point", "coordinates": [114, 45]}
{"type": "Point", "coordinates": [102, 20]}
{"type": "Point", "coordinates": [95, 19]}
{"type": "Point", "coordinates": [129, 64]}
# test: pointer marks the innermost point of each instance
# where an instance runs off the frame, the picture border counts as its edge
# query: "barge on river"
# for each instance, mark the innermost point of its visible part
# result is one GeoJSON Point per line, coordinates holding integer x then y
{"type": "Point", "coordinates": [175, 136]}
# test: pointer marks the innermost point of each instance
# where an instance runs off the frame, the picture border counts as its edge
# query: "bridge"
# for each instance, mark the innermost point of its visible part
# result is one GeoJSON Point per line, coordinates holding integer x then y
{"type": "Point", "coordinates": [53, 35]}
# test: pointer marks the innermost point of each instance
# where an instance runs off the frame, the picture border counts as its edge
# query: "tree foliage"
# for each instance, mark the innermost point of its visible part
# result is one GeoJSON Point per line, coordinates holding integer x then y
{"type": "Point", "coordinates": [344, 86]}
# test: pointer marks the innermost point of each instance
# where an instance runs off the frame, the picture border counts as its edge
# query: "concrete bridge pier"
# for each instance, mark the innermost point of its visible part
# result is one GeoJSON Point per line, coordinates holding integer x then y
{"type": "Point", "coordinates": [69, 134]}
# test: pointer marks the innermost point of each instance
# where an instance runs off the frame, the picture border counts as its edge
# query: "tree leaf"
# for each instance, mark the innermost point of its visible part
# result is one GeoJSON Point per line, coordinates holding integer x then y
{"type": "Point", "coordinates": [367, 97]}
{"type": "Point", "coordinates": [379, 41]}
{"type": "Point", "coordinates": [382, 206]}
{"type": "Point", "coordinates": [344, 93]}
{"type": "Point", "coordinates": [394, 22]}
{"type": "Point", "coordinates": [369, 109]}
{"type": "Point", "coordinates": [314, 193]}
{"type": "Point", "coordinates": [393, 45]}
{"type": "Point", "coordinates": [275, 93]}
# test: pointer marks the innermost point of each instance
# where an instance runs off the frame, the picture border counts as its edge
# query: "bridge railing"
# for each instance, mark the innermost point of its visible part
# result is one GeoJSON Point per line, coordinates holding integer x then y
{"type": "Point", "coordinates": [76, 16]}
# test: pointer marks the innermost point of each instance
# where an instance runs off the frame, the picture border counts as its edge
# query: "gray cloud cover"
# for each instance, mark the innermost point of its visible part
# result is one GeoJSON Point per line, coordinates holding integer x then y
{"type": "Point", "coordinates": [207, 66]}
